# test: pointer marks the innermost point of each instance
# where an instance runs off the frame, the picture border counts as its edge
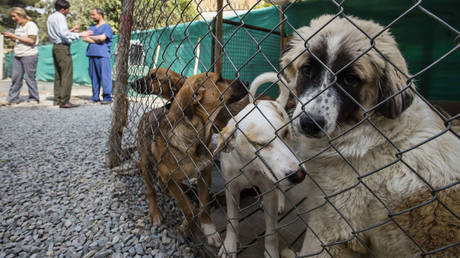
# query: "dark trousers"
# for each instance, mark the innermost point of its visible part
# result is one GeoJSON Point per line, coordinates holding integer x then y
{"type": "Point", "coordinates": [63, 78]}
{"type": "Point", "coordinates": [100, 72]}
{"type": "Point", "coordinates": [23, 65]}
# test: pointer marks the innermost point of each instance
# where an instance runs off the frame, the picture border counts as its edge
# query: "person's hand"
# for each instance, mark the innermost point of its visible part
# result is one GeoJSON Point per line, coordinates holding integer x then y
{"type": "Point", "coordinates": [86, 33]}
{"type": "Point", "coordinates": [9, 35]}
{"type": "Point", "coordinates": [75, 28]}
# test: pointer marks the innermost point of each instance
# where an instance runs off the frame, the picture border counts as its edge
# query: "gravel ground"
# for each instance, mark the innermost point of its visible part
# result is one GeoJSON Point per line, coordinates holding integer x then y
{"type": "Point", "coordinates": [58, 199]}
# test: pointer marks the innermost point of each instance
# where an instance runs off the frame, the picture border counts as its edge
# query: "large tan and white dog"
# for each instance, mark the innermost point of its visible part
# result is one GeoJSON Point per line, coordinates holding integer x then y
{"type": "Point", "coordinates": [382, 170]}
{"type": "Point", "coordinates": [255, 152]}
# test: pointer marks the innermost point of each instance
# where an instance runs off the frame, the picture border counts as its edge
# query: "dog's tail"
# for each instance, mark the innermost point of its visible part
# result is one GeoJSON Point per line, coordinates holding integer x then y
{"type": "Point", "coordinates": [267, 78]}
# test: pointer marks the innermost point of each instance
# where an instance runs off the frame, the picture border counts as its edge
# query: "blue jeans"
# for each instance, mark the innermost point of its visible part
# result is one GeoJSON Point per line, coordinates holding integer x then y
{"type": "Point", "coordinates": [100, 72]}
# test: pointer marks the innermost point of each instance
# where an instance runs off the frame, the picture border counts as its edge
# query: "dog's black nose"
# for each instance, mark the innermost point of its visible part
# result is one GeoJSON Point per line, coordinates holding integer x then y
{"type": "Point", "coordinates": [312, 125]}
{"type": "Point", "coordinates": [297, 176]}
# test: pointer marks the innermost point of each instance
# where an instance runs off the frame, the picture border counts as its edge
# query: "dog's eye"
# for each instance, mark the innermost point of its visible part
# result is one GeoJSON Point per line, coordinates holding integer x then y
{"type": "Point", "coordinates": [306, 70]}
{"type": "Point", "coordinates": [257, 144]}
{"type": "Point", "coordinates": [351, 80]}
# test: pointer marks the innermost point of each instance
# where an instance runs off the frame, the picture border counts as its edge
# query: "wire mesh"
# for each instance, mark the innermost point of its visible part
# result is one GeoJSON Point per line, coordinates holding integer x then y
{"type": "Point", "coordinates": [254, 179]}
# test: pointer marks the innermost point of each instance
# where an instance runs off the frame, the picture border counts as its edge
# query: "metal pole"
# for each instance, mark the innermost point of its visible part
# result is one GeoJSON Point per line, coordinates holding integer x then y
{"type": "Point", "coordinates": [120, 103]}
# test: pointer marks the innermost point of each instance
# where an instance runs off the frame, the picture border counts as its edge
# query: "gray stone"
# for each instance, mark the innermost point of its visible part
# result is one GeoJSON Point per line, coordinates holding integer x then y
{"type": "Point", "coordinates": [103, 254]}
{"type": "Point", "coordinates": [166, 240]}
{"type": "Point", "coordinates": [89, 254]}
{"type": "Point", "coordinates": [139, 249]}
{"type": "Point", "coordinates": [132, 251]}
{"type": "Point", "coordinates": [115, 239]}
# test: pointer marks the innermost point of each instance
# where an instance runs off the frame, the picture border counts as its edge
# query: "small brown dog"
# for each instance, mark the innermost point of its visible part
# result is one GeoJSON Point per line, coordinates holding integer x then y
{"type": "Point", "coordinates": [175, 142]}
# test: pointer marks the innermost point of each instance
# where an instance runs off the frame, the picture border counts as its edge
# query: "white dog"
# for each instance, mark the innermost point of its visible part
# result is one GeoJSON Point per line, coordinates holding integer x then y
{"type": "Point", "coordinates": [255, 151]}
{"type": "Point", "coordinates": [382, 166]}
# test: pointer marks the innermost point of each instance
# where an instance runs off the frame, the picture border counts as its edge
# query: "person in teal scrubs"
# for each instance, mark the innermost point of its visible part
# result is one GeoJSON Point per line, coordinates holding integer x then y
{"type": "Point", "coordinates": [98, 52]}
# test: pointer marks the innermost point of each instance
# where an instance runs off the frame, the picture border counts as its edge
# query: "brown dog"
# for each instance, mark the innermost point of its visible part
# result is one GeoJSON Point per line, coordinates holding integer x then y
{"type": "Point", "coordinates": [175, 144]}
{"type": "Point", "coordinates": [166, 83]}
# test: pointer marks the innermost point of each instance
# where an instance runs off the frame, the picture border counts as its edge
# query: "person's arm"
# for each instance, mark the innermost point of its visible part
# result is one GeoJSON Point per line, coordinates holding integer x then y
{"type": "Point", "coordinates": [29, 40]}
{"type": "Point", "coordinates": [75, 28]}
{"type": "Point", "coordinates": [64, 32]}
{"type": "Point", "coordinates": [95, 39]}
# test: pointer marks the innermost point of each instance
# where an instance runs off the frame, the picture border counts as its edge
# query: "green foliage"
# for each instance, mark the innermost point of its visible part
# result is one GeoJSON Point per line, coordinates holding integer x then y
{"type": "Point", "coordinates": [6, 23]}
{"type": "Point", "coordinates": [151, 14]}
{"type": "Point", "coordinates": [263, 5]}
{"type": "Point", "coordinates": [80, 14]}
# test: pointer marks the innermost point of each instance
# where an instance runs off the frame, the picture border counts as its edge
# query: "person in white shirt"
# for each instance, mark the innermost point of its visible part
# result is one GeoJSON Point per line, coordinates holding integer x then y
{"type": "Point", "coordinates": [62, 37]}
{"type": "Point", "coordinates": [25, 56]}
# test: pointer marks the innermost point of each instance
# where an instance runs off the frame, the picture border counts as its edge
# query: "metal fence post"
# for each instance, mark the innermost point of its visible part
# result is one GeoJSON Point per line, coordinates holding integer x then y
{"type": "Point", "coordinates": [120, 103]}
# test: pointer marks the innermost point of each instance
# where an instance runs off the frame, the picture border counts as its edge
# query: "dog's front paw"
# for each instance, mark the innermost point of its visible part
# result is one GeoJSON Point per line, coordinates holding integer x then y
{"type": "Point", "coordinates": [186, 227]}
{"type": "Point", "coordinates": [281, 202]}
{"type": "Point", "coordinates": [155, 219]}
{"type": "Point", "coordinates": [213, 238]}
{"type": "Point", "coordinates": [228, 249]}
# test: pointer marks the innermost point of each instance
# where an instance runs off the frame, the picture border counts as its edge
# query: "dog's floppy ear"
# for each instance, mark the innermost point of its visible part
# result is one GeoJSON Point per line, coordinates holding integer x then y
{"type": "Point", "coordinates": [225, 137]}
{"type": "Point", "coordinates": [287, 56]}
{"type": "Point", "coordinates": [392, 82]}
{"type": "Point", "coordinates": [185, 101]}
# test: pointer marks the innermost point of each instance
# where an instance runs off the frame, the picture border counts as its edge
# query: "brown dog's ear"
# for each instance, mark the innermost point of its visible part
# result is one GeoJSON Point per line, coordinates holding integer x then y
{"type": "Point", "coordinates": [174, 80]}
{"type": "Point", "coordinates": [391, 82]}
{"type": "Point", "coordinates": [225, 138]}
{"type": "Point", "coordinates": [185, 102]}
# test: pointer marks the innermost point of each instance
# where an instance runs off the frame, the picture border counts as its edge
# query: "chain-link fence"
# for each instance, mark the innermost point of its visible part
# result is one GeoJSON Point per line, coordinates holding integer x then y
{"type": "Point", "coordinates": [362, 160]}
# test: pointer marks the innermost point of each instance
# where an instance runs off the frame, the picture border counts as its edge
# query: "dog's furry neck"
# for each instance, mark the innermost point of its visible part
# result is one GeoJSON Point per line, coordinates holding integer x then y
{"type": "Point", "coordinates": [365, 138]}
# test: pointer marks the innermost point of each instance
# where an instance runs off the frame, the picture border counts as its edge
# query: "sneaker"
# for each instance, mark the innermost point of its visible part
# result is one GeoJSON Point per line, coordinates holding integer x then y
{"type": "Point", "coordinates": [34, 100]}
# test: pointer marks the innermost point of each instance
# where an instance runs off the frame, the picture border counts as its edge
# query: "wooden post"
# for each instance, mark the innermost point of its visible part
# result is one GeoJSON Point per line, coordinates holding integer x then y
{"type": "Point", "coordinates": [120, 103]}
{"type": "Point", "coordinates": [1, 57]}
{"type": "Point", "coordinates": [219, 33]}
{"type": "Point", "coordinates": [282, 31]}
